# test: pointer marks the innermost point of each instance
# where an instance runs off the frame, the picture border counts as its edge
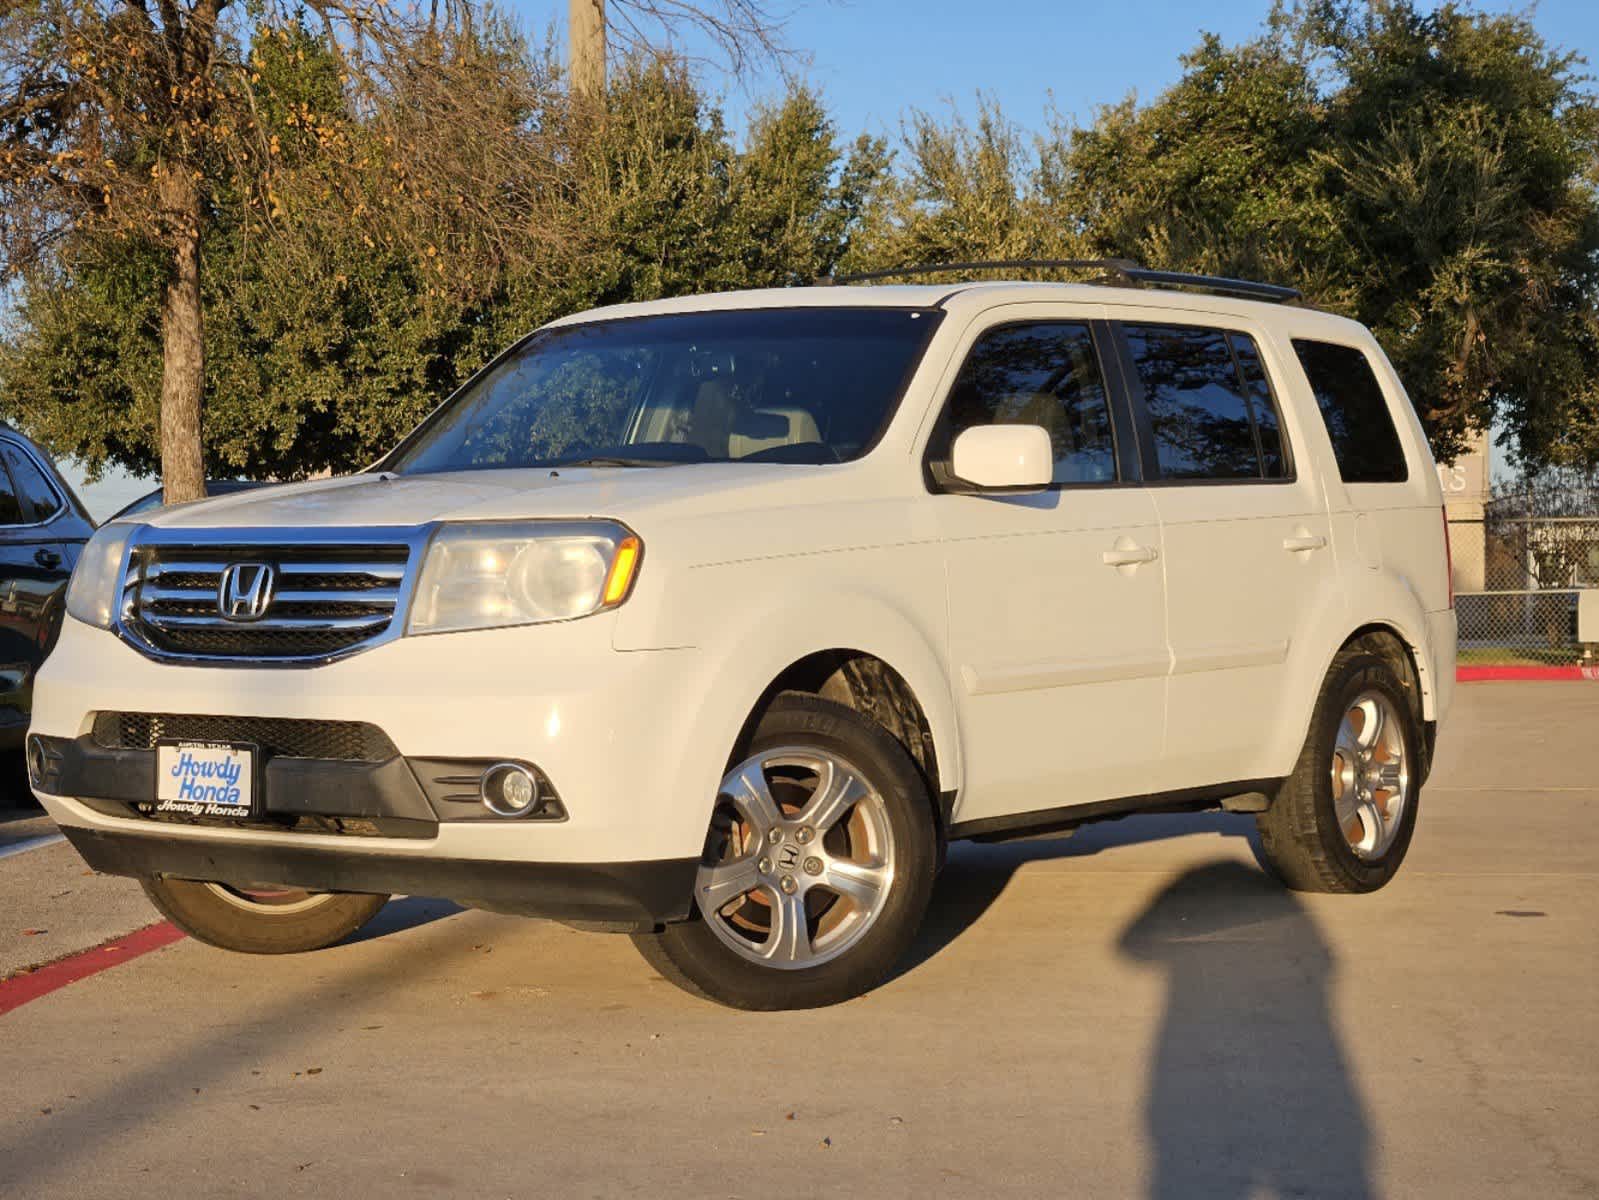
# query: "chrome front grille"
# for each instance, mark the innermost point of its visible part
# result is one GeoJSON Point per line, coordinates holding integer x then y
{"type": "Point", "coordinates": [324, 597]}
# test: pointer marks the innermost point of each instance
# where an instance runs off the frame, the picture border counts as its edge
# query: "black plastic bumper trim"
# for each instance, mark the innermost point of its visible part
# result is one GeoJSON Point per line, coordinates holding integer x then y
{"type": "Point", "coordinates": [628, 895]}
{"type": "Point", "coordinates": [405, 797]}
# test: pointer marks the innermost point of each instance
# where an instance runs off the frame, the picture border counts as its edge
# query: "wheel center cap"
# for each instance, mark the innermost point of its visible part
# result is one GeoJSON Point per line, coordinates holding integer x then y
{"type": "Point", "coordinates": [787, 856]}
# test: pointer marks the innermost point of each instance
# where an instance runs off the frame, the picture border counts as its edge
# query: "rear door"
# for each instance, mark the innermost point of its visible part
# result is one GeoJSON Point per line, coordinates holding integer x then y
{"type": "Point", "coordinates": [1246, 536]}
{"type": "Point", "coordinates": [1057, 644]}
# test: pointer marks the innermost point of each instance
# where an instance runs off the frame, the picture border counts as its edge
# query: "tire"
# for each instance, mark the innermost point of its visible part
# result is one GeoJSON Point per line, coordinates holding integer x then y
{"type": "Point", "coordinates": [260, 923]}
{"type": "Point", "coordinates": [856, 853]}
{"type": "Point", "coordinates": [1308, 836]}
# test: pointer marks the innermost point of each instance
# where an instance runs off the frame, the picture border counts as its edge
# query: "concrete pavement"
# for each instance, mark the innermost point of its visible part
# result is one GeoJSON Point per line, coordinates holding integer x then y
{"type": "Point", "coordinates": [1135, 1011]}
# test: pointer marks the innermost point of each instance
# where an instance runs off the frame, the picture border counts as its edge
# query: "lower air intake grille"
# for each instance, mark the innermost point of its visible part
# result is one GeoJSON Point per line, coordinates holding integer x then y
{"type": "Point", "coordinates": [349, 741]}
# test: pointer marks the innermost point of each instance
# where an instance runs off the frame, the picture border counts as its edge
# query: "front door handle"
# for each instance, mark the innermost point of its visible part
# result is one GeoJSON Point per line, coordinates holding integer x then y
{"type": "Point", "coordinates": [1303, 543]}
{"type": "Point", "coordinates": [47, 558]}
{"type": "Point", "coordinates": [1129, 556]}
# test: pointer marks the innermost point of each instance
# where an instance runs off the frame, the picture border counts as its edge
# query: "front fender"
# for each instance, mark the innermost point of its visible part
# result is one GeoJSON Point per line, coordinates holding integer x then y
{"type": "Point", "coordinates": [747, 638]}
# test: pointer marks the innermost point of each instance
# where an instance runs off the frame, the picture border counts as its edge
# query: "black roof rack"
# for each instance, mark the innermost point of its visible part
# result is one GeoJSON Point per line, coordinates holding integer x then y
{"type": "Point", "coordinates": [1124, 269]}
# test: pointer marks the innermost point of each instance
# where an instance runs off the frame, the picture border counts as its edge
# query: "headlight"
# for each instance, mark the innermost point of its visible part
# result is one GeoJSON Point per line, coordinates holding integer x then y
{"type": "Point", "coordinates": [97, 579]}
{"type": "Point", "coordinates": [480, 576]}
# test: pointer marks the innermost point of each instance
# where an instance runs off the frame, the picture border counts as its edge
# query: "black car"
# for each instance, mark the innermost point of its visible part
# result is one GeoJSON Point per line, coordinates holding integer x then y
{"type": "Point", "coordinates": [43, 528]}
{"type": "Point", "coordinates": [154, 500]}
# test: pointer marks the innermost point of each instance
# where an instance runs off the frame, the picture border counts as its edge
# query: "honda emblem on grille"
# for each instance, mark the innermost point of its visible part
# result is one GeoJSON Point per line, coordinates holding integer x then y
{"type": "Point", "coordinates": [244, 593]}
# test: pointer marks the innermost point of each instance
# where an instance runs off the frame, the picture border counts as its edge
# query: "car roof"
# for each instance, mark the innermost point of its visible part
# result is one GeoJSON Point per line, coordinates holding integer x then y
{"type": "Point", "coordinates": [956, 298]}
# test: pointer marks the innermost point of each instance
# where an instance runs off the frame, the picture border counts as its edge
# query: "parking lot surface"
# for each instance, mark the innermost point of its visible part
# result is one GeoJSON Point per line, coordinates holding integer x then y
{"type": "Point", "coordinates": [1136, 1011]}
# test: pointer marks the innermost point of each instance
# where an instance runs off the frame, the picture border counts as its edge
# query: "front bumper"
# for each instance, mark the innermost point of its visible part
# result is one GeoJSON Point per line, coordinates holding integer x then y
{"type": "Point", "coordinates": [618, 735]}
{"type": "Point", "coordinates": [392, 797]}
{"type": "Point", "coordinates": [616, 896]}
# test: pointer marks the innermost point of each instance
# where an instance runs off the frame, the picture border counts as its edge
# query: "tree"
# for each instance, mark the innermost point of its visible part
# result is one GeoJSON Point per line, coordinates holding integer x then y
{"type": "Point", "coordinates": [1432, 175]}
{"type": "Point", "coordinates": [126, 127]}
{"type": "Point", "coordinates": [969, 192]}
{"type": "Point", "coordinates": [741, 31]}
{"type": "Point", "coordinates": [331, 328]}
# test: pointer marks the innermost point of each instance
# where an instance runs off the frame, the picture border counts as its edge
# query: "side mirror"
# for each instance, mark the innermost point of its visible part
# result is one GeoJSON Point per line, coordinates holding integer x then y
{"type": "Point", "coordinates": [1003, 458]}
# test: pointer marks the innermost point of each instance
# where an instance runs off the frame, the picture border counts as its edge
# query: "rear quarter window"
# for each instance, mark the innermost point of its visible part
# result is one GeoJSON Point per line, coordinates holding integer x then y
{"type": "Point", "coordinates": [1365, 443]}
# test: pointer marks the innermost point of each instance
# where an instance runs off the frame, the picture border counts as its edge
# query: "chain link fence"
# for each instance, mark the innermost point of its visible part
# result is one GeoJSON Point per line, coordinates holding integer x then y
{"type": "Point", "coordinates": [1516, 586]}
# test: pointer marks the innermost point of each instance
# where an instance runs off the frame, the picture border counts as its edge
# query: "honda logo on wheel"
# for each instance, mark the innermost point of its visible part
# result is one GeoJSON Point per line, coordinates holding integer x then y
{"type": "Point", "coordinates": [244, 593]}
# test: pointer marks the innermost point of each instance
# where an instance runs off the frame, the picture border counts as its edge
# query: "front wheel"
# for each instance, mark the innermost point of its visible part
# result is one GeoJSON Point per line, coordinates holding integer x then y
{"type": "Point", "coordinates": [260, 920]}
{"type": "Point", "coordinates": [818, 865]}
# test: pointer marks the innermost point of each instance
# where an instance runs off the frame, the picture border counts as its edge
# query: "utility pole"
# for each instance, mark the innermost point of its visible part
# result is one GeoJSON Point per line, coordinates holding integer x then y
{"type": "Point", "coordinates": [586, 37]}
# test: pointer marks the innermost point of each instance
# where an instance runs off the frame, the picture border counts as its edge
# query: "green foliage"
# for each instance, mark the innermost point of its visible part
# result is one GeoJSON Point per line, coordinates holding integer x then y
{"type": "Point", "coordinates": [1433, 175]}
{"type": "Point", "coordinates": [1429, 174]}
{"type": "Point", "coordinates": [970, 192]}
{"type": "Point", "coordinates": [326, 339]}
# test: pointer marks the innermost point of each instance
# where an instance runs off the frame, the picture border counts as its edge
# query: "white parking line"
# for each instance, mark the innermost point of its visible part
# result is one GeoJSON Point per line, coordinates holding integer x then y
{"type": "Point", "coordinates": [33, 843]}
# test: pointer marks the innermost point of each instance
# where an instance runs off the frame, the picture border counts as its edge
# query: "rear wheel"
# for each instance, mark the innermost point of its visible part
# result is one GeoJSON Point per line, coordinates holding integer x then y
{"type": "Point", "coordinates": [260, 920]}
{"type": "Point", "coordinates": [818, 865]}
{"type": "Point", "coordinates": [1342, 822]}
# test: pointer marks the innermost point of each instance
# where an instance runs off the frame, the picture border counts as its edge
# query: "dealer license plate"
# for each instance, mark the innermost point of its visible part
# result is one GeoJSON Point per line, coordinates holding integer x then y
{"type": "Point", "coordinates": [204, 779]}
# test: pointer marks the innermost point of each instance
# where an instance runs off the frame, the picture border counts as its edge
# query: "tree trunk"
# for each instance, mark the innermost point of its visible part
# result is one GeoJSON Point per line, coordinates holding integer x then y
{"type": "Point", "coordinates": [586, 32]}
{"type": "Point", "coordinates": [182, 344]}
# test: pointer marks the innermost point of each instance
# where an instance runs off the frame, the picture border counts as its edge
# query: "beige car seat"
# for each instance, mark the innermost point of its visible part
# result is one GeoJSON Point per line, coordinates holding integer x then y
{"type": "Point", "coordinates": [801, 428]}
{"type": "Point", "coordinates": [711, 421]}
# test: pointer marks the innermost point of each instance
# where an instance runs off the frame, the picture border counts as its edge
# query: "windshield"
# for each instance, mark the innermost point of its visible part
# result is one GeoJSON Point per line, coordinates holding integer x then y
{"type": "Point", "coordinates": [766, 385]}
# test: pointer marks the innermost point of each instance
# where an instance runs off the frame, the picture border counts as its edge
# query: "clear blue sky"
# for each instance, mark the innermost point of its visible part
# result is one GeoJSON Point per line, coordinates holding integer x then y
{"type": "Point", "coordinates": [875, 59]}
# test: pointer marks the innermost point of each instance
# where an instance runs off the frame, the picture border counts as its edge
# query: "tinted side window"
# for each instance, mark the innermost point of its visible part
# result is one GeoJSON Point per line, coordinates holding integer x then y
{"type": "Point", "coordinates": [1274, 460]}
{"type": "Point", "coordinates": [1198, 414]}
{"type": "Point", "coordinates": [10, 510]}
{"type": "Point", "coordinates": [1040, 374]}
{"type": "Point", "coordinates": [1352, 405]}
{"type": "Point", "coordinates": [36, 498]}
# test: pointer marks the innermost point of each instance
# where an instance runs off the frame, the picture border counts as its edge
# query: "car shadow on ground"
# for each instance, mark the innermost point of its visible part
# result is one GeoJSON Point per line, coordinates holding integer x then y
{"type": "Point", "coordinates": [402, 913]}
{"type": "Point", "coordinates": [976, 873]}
{"type": "Point", "coordinates": [1249, 1092]}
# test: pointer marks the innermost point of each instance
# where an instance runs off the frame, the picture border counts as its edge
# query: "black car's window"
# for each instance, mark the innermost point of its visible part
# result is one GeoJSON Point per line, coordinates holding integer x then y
{"type": "Point", "coordinates": [811, 385]}
{"type": "Point", "coordinates": [1365, 442]}
{"type": "Point", "coordinates": [10, 510]}
{"type": "Point", "coordinates": [1273, 458]}
{"type": "Point", "coordinates": [1043, 373]}
{"type": "Point", "coordinates": [36, 499]}
{"type": "Point", "coordinates": [1198, 410]}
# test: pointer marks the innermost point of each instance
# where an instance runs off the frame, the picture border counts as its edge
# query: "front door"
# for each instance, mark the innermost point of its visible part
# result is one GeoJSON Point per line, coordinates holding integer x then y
{"type": "Point", "coordinates": [1057, 645]}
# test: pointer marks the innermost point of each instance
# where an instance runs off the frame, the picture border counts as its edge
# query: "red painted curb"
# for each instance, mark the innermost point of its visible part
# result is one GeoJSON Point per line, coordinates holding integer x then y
{"type": "Point", "coordinates": [1480, 674]}
{"type": "Point", "coordinates": [41, 981]}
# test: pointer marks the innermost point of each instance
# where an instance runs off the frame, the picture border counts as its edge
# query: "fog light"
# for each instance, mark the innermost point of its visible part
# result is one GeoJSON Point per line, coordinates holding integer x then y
{"type": "Point", "coordinates": [510, 790]}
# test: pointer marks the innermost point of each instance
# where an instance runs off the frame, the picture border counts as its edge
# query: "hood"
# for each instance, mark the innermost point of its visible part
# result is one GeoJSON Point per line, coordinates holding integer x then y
{"type": "Point", "coordinates": [410, 500]}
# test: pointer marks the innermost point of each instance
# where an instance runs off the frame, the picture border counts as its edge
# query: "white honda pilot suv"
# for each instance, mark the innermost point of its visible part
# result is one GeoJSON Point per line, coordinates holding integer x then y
{"type": "Point", "coordinates": [714, 620]}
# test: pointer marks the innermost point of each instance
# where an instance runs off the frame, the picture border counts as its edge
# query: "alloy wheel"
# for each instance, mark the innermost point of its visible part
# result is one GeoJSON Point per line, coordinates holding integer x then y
{"type": "Point", "coordinates": [1370, 774]}
{"type": "Point", "coordinates": [800, 860]}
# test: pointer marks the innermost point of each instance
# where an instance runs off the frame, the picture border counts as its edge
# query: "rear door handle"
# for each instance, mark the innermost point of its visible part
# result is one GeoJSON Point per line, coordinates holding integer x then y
{"type": "Point", "coordinates": [1129, 556]}
{"type": "Point", "coordinates": [47, 558]}
{"type": "Point", "coordinates": [1304, 543]}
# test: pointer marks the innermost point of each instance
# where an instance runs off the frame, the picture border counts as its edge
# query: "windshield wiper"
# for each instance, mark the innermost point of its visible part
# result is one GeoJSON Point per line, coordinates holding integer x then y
{"type": "Point", "coordinates": [617, 460]}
